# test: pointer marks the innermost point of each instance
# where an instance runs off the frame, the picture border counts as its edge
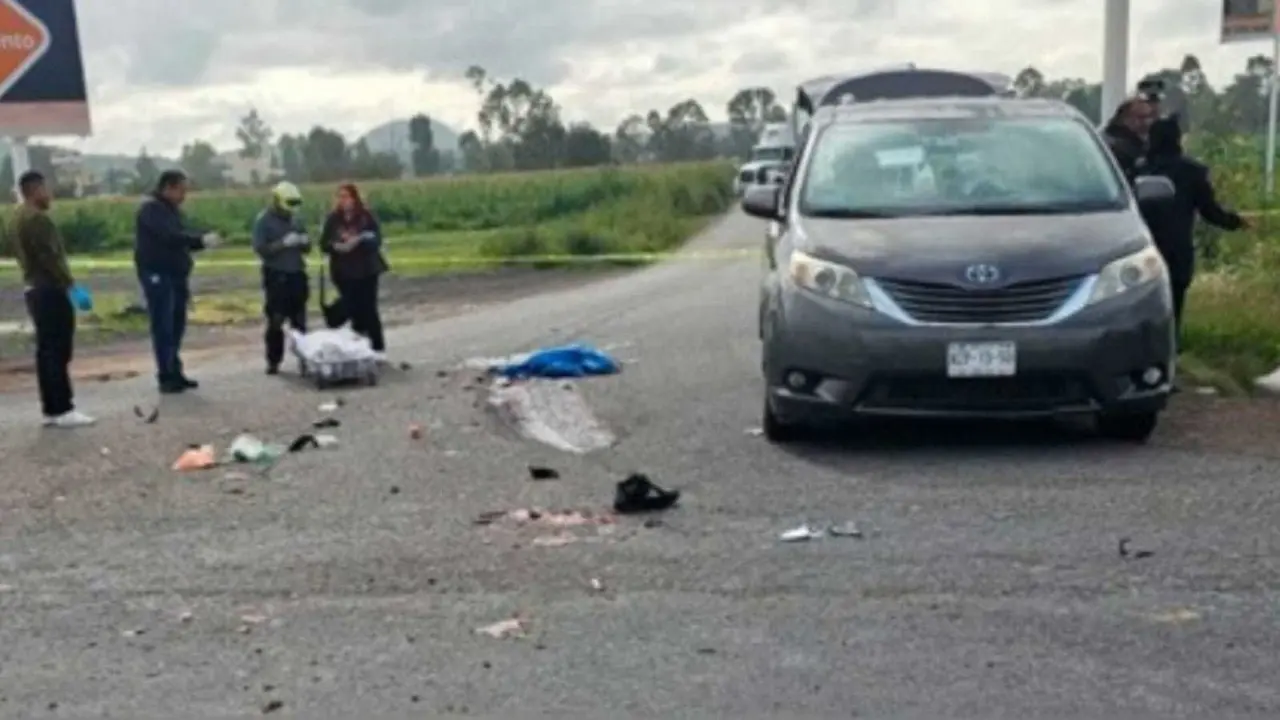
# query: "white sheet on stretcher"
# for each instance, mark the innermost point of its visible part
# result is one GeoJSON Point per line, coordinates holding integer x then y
{"type": "Point", "coordinates": [332, 346]}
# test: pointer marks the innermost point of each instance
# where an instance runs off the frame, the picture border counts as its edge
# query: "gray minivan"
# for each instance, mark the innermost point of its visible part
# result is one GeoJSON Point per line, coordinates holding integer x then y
{"type": "Point", "coordinates": [1009, 274]}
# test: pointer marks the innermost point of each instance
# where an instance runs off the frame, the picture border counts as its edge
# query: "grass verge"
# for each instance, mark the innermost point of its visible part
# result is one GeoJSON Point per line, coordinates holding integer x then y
{"type": "Point", "coordinates": [1231, 332]}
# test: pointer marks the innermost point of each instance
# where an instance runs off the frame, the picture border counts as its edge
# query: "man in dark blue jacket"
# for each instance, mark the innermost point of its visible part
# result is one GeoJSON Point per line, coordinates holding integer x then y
{"type": "Point", "coordinates": [162, 255]}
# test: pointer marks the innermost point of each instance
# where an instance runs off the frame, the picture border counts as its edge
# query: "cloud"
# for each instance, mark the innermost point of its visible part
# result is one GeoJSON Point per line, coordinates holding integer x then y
{"type": "Point", "coordinates": [163, 72]}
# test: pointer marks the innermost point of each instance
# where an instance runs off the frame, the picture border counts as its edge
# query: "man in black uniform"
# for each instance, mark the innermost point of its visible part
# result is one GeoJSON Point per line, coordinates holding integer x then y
{"type": "Point", "coordinates": [1174, 225]}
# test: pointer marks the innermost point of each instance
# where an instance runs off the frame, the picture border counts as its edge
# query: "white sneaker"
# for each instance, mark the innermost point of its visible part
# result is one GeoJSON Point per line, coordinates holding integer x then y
{"type": "Point", "coordinates": [73, 419]}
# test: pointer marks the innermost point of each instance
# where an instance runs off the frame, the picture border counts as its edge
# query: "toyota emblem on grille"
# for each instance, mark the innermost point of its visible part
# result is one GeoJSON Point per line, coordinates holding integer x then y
{"type": "Point", "coordinates": [982, 274]}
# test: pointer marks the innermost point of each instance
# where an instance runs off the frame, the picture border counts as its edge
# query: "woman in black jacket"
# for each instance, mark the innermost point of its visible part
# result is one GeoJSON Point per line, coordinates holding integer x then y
{"type": "Point", "coordinates": [352, 239]}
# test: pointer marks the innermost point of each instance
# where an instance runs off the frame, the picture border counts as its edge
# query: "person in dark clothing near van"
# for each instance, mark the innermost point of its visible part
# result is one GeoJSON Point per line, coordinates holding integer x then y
{"type": "Point", "coordinates": [51, 296]}
{"type": "Point", "coordinates": [1126, 134]}
{"type": "Point", "coordinates": [162, 256]}
{"type": "Point", "coordinates": [352, 238]}
{"type": "Point", "coordinates": [1173, 226]}
{"type": "Point", "coordinates": [281, 240]}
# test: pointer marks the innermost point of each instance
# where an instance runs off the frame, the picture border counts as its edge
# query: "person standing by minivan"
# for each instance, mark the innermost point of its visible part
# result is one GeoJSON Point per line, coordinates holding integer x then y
{"type": "Point", "coordinates": [1126, 134]}
{"type": "Point", "coordinates": [1173, 227]}
{"type": "Point", "coordinates": [352, 238]}
{"type": "Point", "coordinates": [281, 240]}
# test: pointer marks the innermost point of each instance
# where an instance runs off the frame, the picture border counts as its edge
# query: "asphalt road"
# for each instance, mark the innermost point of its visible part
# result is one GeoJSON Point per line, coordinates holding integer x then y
{"type": "Point", "coordinates": [349, 582]}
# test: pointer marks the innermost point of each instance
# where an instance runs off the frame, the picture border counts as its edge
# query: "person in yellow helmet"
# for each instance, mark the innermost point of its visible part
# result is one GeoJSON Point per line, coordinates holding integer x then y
{"type": "Point", "coordinates": [280, 239]}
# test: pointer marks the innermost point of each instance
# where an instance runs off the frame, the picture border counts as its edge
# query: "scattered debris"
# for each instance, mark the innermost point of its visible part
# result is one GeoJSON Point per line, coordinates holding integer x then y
{"type": "Point", "coordinates": [147, 417]}
{"type": "Point", "coordinates": [415, 432]}
{"type": "Point", "coordinates": [185, 617]}
{"type": "Point", "coordinates": [560, 519]}
{"type": "Point", "coordinates": [514, 627]}
{"type": "Point", "coordinates": [272, 706]}
{"type": "Point", "coordinates": [638, 494]}
{"type": "Point", "coordinates": [253, 619]}
{"type": "Point", "coordinates": [307, 440]}
{"type": "Point", "coordinates": [754, 432]}
{"type": "Point", "coordinates": [332, 405]}
{"type": "Point", "coordinates": [597, 585]}
{"type": "Point", "coordinates": [1206, 390]}
{"type": "Point", "coordinates": [405, 366]}
{"type": "Point", "coordinates": [1125, 552]}
{"type": "Point", "coordinates": [1269, 383]}
{"type": "Point", "coordinates": [442, 373]}
{"type": "Point", "coordinates": [196, 457]}
{"type": "Point", "coordinates": [538, 472]}
{"type": "Point", "coordinates": [558, 540]}
{"type": "Point", "coordinates": [249, 449]}
{"type": "Point", "coordinates": [1176, 617]}
{"type": "Point", "coordinates": [105, 451]}
{"type": "Point", "coordinates": [803, 533]}
{"type": "Point", "coordinates": [326, 423]}
{"type": "Point", "coordinates": [6, 588]}
{"type": "Point", "coordinates": [848, 529]}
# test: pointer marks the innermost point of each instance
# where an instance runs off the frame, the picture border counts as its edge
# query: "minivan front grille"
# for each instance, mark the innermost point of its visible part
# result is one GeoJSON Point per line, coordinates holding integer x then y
{"type": "Point", "coordinates": [1018, 303]}
{"type": "Point", "coordinates": [1025, 393]}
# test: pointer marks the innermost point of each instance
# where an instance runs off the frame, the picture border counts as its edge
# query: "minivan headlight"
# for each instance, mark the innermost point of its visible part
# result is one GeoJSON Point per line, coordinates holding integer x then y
{"type": "Point", "coordinates": [1128, 273]}
{"type": "Point", "coordinates": [828, 279]}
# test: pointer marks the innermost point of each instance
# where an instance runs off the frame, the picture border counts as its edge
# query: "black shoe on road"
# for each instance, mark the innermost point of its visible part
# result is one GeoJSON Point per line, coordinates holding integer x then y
{"type": "Point", "coordinates": [188, 383]}
{"type": "Point", "coordinates": [273, 369]}
{"type": "Point", "coordinates": [172, 388]}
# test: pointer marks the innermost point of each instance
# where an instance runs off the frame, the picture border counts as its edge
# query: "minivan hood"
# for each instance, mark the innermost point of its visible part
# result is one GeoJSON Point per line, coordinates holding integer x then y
{"type": "Point", "coordinates": [938, 249]}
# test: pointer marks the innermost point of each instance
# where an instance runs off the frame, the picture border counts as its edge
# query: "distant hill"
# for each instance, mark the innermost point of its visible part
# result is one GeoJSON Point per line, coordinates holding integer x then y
{"type": "Point", "coordinates": [393, 137]}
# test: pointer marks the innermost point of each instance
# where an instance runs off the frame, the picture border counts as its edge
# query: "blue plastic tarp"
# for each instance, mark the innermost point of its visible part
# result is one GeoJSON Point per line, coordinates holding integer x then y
{"type": "Point", "coordinates": [567, 361]}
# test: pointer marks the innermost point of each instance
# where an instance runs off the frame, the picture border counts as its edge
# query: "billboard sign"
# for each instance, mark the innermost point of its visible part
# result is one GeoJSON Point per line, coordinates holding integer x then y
{"type": "Point", "coordinates": [1248, 20]}
{"type": "Point", "coordinates": [42, 85]}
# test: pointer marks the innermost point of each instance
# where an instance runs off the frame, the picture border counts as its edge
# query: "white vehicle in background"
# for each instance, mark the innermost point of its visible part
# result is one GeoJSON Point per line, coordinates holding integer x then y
{"type": "Point", "coordinates": [769, 160]}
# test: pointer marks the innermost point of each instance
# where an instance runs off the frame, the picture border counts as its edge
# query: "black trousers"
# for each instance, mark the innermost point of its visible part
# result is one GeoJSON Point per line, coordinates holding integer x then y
{"type": "Point", "coordinates": [360, 296]}
{"type": "Point", "coordinates": [55, 323]}
{"type": "Point", "coordinates": [286, 296]}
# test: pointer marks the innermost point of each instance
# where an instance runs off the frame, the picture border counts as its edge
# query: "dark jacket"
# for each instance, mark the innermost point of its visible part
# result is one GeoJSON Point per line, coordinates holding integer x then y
{"type": "Point", "coordinates": [162, 243]}
{"type": "Point", "coordinates": [269, 230]}
{"type": "Point", "coordinates": [1128, 148]}
{"type": "Point", "coordinates": [38, 248]}
{"type": "Point", "coordinates": [362, 262]}
{"type": "Point", "coordinates": [1173, 225]}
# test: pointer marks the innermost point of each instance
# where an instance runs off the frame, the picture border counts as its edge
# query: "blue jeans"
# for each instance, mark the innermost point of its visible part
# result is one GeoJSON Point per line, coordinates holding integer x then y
{"type": "Point", "coordinates": [167, 299]}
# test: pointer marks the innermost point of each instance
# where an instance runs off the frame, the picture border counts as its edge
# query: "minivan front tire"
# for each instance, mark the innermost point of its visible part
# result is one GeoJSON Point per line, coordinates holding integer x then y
{"type": "Point", "coordinates": [775, 429]}
{"type": "Point", "coordinates": [1128, 427]}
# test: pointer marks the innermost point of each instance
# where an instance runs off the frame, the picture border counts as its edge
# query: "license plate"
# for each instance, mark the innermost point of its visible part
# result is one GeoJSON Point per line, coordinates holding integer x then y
{"type": "Point", "coordinates": [994, 359]}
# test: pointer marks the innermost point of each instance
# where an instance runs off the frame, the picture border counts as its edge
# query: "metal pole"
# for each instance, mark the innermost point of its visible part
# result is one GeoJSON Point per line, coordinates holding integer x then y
{"type": "Point", "coordinates": [1115, 56]}
{"type": "Point", "coordinates": [20, 161]}
{"type": "Point", "coordinates": [1273, 99]}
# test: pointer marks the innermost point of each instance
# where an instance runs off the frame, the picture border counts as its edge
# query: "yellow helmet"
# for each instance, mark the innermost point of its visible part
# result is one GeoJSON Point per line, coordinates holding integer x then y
{"type": "Point", "coordinates": [286, 196]}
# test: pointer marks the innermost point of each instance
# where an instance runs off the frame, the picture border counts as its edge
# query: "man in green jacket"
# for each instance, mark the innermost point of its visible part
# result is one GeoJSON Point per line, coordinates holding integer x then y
{"type": "Point", "coordinates": [52, 299]}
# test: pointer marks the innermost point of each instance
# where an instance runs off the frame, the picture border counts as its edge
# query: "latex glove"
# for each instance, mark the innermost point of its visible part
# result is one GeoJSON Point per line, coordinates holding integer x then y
{"type": "Point", "coordinates": [80, 298]}
{"type": "Point", "coordinates": [211, 240]}
{"type": "Point", "coordinates": [368, 236]}
{"type": "Point", "coordinates": [296, 239]}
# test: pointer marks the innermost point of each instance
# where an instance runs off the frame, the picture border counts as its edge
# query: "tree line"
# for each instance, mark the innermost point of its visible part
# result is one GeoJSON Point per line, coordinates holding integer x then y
{"type": "Point", "coordinates": [520, 126]}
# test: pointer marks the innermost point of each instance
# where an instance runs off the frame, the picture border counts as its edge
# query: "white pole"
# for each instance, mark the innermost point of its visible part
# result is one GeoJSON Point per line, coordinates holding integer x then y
{"type": "Point", "coordinates": [20, 160]}
{"type": "Point", "coordinates": [1273, 99]}
{"type": "Point", "coordinates": [1115, 56]}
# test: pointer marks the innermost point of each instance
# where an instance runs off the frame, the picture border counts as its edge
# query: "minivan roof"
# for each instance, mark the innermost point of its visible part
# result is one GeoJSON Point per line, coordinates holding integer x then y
{"type": "Point", "coordinates": [897, 83]}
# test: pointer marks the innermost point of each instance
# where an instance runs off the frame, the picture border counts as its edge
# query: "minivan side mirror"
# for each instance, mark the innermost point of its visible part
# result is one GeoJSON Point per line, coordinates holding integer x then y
{"type": "Point", "coordinates": [762, 201]}
{"type": "Point", "coordinates": [1153, 190]}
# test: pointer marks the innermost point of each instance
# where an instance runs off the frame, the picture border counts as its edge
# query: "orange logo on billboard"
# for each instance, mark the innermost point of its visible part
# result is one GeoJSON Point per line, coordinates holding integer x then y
{"type": "Point", "coordinates": [24, 39]}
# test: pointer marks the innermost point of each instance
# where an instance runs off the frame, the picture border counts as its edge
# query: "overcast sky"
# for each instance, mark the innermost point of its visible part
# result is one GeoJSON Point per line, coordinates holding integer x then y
{"type": "Point", "coordinates": [162, 72]}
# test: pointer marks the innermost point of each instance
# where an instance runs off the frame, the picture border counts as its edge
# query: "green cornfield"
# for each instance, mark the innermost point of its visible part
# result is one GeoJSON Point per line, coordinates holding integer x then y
{"type": "Point", "coordinates": [605, 209]}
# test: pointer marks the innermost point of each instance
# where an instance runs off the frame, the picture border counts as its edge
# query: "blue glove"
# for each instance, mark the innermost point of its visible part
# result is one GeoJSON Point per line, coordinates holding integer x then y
{"type": "Point", "coordinates": [81, 298]}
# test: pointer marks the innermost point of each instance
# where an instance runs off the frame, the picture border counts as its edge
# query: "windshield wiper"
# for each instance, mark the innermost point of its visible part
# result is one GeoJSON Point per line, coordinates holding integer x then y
{"type": "Point", "coordinates": [847, 214]}
{"type": "Point", "coordinates": [1012, 210]}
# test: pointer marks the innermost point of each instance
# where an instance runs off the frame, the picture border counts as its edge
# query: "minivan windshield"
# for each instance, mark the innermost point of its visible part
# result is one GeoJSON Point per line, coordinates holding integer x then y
{"type": "Point", "coordinates": [959, 166]}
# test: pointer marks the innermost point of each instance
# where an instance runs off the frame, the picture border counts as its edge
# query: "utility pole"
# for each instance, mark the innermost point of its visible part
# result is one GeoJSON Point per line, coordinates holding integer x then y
{"type": "Point", "coordinates": [1115, 56]}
